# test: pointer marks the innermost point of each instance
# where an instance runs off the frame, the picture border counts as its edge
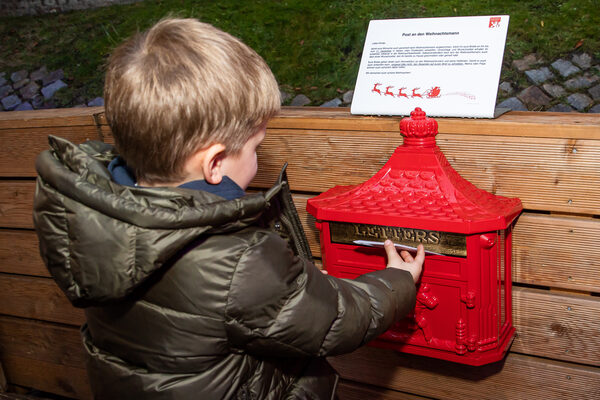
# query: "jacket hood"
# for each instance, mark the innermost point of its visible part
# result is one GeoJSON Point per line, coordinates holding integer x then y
{"type": "Point", "coordinates": [101, 241]}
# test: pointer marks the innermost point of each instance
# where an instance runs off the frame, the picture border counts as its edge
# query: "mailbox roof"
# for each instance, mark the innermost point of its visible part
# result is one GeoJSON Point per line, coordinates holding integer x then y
{"type": "Point", "coordinates": [417, 188]}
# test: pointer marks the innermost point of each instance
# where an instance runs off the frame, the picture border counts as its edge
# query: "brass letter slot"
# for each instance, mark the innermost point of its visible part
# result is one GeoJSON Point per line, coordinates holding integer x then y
{"type": "Point", "coordinates": [451, 244]}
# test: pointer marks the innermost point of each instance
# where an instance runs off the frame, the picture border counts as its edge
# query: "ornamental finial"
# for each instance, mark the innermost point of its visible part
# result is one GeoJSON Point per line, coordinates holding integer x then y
{"type": "Point", "coordinates": [419, 130]}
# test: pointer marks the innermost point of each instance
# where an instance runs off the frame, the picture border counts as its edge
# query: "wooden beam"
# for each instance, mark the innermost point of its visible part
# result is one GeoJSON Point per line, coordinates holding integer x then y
{"type": "Point", "coordinates": [19, 253]}
{"type": "Point", "coordinates": [20, 147]}
{"type": "Point", "coordinates": [517, 377]}
{"type": "Point", "coordinates": [16, 204]}
{"type": "Point", "coordinates": [36, 298]}
{"type": "Point", "coordinates": [44, 341]}
{"type": "Point", "coordinates": [354, 391]}
{"type": "Point", "coordinates": [557, 251]}
{"type": "Point", "coordinates": [49, 377]}
{"type": "Point", "coordinates": [514, 123]}
{"type": "Point", "coordinates": [57, 117]}
{"type": "Point", "coordinates": [556, 325]}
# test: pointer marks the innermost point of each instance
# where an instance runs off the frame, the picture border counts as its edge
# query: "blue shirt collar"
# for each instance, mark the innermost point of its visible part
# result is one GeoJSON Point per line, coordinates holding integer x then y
{"type": "Point", "coordinates": [227, 188]}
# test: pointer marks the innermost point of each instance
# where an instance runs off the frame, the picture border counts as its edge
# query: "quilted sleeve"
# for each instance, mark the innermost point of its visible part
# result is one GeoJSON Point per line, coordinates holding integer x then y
{"type": "Point", "coordinates": [280, 304]}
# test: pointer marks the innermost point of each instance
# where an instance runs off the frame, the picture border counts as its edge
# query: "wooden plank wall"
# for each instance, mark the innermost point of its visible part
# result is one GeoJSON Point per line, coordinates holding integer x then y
{"type": "Point", "coordinates": [551, 161]}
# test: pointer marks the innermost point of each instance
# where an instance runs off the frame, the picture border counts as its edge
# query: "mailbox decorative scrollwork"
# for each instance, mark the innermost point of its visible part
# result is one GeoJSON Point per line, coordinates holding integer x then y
{"type": "Point", "coordinates": [426, 298]}
{"type": "Point", "coordinates": [469, 299]}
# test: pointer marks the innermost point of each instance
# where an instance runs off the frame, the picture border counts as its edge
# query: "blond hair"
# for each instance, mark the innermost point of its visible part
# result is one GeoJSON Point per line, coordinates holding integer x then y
{"type": "Point", "coordinates": [179, 87]}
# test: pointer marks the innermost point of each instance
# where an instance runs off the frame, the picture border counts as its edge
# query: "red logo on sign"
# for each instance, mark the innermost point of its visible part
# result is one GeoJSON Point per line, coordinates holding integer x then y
{"type": "Point", "coordinates": [494, 22]}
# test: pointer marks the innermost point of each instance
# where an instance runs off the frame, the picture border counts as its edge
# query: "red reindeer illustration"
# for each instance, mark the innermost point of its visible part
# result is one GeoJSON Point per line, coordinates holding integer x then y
{"type": "Point", "coordinates": [400, 94]}
{"type": "Point", "coordinates": [376, 89]}
{"type": "Point", "coordinates": [434, 92]}
{"type": "Point", "coordinates": [415, 94]}
{"type": "Point", "coordinates": [387, 91]}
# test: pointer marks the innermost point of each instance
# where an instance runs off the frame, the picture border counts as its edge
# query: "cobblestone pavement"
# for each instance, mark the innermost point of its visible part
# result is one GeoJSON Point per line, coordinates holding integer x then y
{"type": "Point", "coordinates": [569, 84]}
{"type": "Point", "coordinates": [566, 85]}
{"type": "Point", "coordinates": [23, 90]}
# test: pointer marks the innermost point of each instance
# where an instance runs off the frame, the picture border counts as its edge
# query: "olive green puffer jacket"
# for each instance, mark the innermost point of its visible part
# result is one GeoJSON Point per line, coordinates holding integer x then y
{"type": "Point", "coordinates": [190, 296]}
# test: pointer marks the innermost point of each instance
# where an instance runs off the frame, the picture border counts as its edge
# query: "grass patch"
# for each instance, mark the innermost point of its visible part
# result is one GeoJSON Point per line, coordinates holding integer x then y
{"type": "Point", "coordinates": [313, 47]}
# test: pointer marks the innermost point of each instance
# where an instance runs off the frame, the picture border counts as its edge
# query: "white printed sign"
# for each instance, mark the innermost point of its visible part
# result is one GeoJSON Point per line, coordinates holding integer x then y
{"type": "Point", "coordinates": [450, 67]}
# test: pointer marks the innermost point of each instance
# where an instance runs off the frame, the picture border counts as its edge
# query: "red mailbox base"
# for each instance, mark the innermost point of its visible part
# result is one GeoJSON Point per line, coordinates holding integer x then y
{"type": "Point", "coordinates": [476, 359]}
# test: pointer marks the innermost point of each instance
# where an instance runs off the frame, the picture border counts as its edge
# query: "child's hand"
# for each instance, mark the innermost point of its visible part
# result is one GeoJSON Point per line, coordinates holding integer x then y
{"type": "Point", "coordinates": [406, 262]}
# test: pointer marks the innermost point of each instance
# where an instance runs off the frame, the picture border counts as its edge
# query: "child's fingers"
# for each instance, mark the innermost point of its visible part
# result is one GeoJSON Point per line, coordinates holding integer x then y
{"type": "Point", "coordinates": [420, 254]}
{"type": "Point", "coordinates": [406, 256]}
{"type": "Point", "coordinates": [392, 253]}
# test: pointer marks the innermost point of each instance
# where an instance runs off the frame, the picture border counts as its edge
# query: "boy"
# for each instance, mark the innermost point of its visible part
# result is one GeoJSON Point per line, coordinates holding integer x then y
{"type": "Point", "coordinates": [191, 288]}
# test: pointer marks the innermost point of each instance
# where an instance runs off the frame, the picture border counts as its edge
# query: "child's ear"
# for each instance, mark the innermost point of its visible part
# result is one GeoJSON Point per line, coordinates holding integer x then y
{"type": "Point", "coordinates": [212, 163]}
{"type": "Point", "coordinates": [207, 163]}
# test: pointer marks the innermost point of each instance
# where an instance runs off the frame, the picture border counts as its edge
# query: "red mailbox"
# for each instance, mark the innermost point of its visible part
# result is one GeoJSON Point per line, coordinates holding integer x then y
{"type": "Point", "coordinates": [464, 309]}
